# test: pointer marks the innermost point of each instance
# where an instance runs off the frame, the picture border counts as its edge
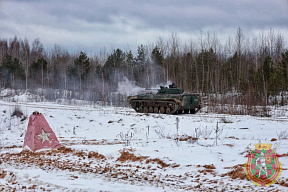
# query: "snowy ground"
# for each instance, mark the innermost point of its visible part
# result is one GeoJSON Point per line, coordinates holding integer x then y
{"type": "Point", "coordinates": [117, 149]}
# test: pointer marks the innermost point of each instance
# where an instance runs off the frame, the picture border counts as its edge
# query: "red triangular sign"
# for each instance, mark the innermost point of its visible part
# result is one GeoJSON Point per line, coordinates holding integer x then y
{"type": "Point", "coordinates": [39, 134]}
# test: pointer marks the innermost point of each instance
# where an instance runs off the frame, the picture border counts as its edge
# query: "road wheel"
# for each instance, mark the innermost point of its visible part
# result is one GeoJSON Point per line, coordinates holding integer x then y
{"type": "Point", "coordinates": [186, 111]}
{"type": "Point", "coordinates": [145, 110]}
{"type": "Point", "coordinates": [140, 109]}
{"type": "Point", "coordinates": [192, 111]}
{"type": "Point", "coordinates": [150, 110]}
{"type": "Point", "coordinates": [162, 110]}
{"type": "Point", "coordinates": [156, 110]}
{"type": "Point", "coordinates": [172, 107]}
{"type": "Point", "coordinates": [168, 110]}
{"type": "Point", "coordinates": [133, 104]}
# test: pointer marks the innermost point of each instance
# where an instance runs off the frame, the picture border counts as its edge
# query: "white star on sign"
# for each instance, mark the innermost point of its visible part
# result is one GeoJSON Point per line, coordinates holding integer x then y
{"type": "Point", "coordinates": [44, 136]}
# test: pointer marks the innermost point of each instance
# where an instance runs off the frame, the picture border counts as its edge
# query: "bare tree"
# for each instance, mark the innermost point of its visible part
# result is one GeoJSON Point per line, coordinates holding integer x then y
{"type": "Point", "coordinates": [25, 59]}
{"type": "Point", "coordinates": [14, 48]}
{"type": "Point", "coordinates": [36, 50]}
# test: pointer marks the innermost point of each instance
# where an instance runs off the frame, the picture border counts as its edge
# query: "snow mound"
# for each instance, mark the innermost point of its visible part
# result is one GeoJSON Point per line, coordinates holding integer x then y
{"type": "Point", "coordinates": [11, 95]}
{"type": "Point", "coordinates": [7, 92]}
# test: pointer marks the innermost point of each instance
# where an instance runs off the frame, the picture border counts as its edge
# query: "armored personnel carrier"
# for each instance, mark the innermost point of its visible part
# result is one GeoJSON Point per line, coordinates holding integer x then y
{"type": "Point", "coordinates": [168, 100]}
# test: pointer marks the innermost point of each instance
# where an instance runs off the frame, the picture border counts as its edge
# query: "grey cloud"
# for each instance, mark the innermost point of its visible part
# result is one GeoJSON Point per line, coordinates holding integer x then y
{"type": "Point", "coordinates": [91, 23]}
{"type": "Point", "coordinates": [213, 13]}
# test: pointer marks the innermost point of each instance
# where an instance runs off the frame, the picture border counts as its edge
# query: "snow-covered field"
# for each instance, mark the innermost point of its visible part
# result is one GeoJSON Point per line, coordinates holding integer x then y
{"type": "Point", "coordinates": [117, 149]}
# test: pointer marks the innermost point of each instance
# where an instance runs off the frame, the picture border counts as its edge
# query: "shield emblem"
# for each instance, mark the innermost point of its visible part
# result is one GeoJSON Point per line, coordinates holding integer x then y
{"type": "Point", "coordinates": [268, 157]}
{"type": "Point", "coordinates": [263, 166]}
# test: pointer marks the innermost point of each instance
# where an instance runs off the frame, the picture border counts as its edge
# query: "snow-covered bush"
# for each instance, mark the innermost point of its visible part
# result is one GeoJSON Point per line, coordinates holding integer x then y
{"type": "Point", "coordinates": [282, 134]}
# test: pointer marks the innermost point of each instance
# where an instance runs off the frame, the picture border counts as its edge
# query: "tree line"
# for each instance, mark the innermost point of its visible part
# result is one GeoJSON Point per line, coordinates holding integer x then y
{"type": "Point", "coordinates": [255, 69]}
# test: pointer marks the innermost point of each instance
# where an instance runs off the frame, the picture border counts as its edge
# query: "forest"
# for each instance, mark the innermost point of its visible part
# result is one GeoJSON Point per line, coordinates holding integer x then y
{"type": "Point", "coordinates": [251, 72]}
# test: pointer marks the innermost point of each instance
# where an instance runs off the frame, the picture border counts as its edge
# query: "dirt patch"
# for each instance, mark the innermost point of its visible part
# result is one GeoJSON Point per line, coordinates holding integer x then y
{"type": "Point", "coordinates": [273, 139]}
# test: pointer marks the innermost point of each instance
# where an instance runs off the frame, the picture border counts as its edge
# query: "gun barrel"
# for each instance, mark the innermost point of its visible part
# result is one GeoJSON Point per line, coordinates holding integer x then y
{"type": "Point", "coordinates": [151, 89]}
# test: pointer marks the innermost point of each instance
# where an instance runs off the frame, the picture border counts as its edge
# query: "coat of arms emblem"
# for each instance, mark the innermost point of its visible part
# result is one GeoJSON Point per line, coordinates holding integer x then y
{"type": "Point", "coordinates": [263, 166]}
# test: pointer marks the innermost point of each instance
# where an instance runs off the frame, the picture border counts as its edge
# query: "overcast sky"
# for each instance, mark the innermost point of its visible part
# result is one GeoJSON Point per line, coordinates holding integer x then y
{"type": "Point", "coordinates": [90, 25]}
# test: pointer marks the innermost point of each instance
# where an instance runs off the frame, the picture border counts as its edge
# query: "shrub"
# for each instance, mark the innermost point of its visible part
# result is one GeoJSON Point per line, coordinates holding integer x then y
{"type": "Point", "coordinates": [17, 112]}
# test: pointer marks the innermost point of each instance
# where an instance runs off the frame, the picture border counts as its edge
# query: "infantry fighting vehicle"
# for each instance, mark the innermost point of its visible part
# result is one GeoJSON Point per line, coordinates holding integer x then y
{"type": "Point", "coordinates": [169, 100]}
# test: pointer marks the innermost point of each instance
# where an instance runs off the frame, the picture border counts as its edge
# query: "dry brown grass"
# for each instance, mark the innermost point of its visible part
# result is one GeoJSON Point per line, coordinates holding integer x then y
{"type": "Point", "coordinates": [283, 183]}
{"type": "Point", "coordinates": [237, 172]}
{"type": "Point", "coordinates": [2, 174]}
{"type": "Point", "coordinates": [51, 159]}
{"type": "Point", "coordinates": [232, 137]}
{"type": "Point", "coordinates": [127, 156]}
{"type": "Point", "coordinates": [134, 173]}
{"type": "Point", "coordinates": [185, 138]}
{"type": "Point", "coordinates": [158, 161]}
{"type": "Point", "coordinates": [209, 166]}
{"type": "Point", "coordinates": [95, 155]}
